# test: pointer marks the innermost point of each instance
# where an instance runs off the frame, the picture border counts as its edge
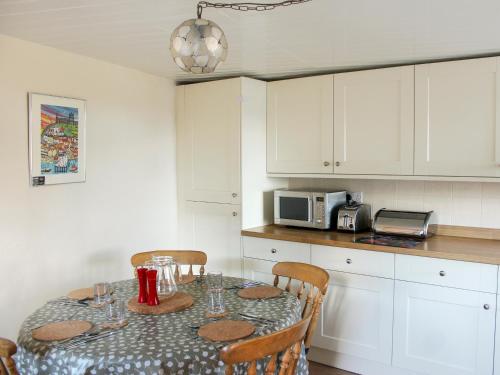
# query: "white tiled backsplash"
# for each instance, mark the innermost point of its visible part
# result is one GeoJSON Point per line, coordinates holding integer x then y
{"type": "Point", "coordinates": [454, 203]}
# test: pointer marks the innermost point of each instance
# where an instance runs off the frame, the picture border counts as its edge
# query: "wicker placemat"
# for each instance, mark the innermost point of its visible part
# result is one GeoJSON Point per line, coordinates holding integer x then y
{"type": "Point", "coordinates": [186, 279]}
{"type": "Point", "coordinates": [61, 330]}
{"type": "Point", "coordinates": [221, 315]}
{"type": "Point", "coordinates": [84, 293]}
{"type": "Point", "coordinates": [178, 302]}
{"type": "Point", "coordinates": [259, 292]}
{"type": "Point", "coordinates": [226, 330]}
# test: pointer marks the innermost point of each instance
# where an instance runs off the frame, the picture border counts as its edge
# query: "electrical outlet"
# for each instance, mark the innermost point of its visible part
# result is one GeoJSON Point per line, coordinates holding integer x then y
{"type": "Point", "coordinates": [357, 196]}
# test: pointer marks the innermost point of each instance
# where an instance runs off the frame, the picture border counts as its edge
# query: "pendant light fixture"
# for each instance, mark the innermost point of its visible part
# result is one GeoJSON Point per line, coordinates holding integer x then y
{"type": "Point", "coordinates": [198, 45]}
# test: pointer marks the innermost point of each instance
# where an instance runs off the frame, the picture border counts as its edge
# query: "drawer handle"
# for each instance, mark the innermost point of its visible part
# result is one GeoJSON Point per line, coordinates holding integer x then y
{"type": "Point", "coordinates": [274, 251]}
{"type": "Point", "coordinates": [348, 261]}
{"type": "Point", "coordinates": [442, 273]}
{"type": "Point", "coordinates": [486, 306]}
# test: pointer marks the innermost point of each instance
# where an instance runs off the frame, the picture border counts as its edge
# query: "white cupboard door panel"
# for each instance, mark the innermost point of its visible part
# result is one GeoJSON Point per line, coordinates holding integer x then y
{"type": "Point", "coordinates": [258, 270]}
{"type": "Point", "coordinates": [497, 341]}
{"type": "Point", "coordinates": [374, 121]}
{"type": "Point", "coordinates": [300, 125]}
{"type": "Point", "coordinates": [356, 317]}
{"type": "Point", "coordinates": [456, 118]}
{"type": "Point", "coordinates": [215, 229]}
{"type": "Point", "coordinates": [209, 142]}
{"type": "Point", "coordinates": [443, 331]}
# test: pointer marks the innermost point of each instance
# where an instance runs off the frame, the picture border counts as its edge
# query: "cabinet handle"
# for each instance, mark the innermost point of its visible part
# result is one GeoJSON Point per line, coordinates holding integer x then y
{"type": "Point", "coordinates": [337, 163]}
{"type": "Point", "coordinates": [326, 163]}
{"type": "Point", "coordinates": [348, 261]}
{"type": "Point", "coordinates": [274, 251]}
{"type": "Point", "coordinates": [486, 306]}
{"type": "Point", "coordinates": [235, 213]}
{"type": "Point", "coordinates": [442, 273]}
{"type": "Point", "coordinates": [234, 195]}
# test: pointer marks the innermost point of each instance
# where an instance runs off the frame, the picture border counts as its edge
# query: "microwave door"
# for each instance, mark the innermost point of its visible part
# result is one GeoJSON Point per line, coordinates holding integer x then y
{"type": "Point", "coordinates": [294, 210]}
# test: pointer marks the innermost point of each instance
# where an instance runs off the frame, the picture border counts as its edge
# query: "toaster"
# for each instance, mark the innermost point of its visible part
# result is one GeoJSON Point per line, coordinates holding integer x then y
{"type": "Point", "coordinates": [354, 217]}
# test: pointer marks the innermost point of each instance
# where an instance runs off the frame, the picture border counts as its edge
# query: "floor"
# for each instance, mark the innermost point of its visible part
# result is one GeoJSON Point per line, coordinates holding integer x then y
{"type": "Point", "coordinates": [319, 369]}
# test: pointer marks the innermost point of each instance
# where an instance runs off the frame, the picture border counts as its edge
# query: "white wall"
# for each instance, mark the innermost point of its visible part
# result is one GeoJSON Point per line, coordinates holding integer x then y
{"type": "Point", "coordinates": [455, 203]}
{"type": "Point", "coordinates": [57, 238]}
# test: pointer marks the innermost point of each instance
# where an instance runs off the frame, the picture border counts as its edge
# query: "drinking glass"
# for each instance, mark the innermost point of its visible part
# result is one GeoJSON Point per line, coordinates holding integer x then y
{"type": "Point", "coordinates": [115, 311]}
{"type": "Point", "coordinates": [214, 280]}
{"type": "Point", "coordinates": [102, 293]}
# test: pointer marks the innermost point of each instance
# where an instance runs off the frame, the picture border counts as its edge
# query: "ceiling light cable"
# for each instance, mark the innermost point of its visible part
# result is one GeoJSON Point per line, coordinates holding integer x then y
{"type": "Point", "coordinates": [245, 7]}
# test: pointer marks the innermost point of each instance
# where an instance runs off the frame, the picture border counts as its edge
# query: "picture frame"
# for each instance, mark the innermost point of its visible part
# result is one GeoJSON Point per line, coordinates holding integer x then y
{"type": "Point", "coordinates": [57, 142]}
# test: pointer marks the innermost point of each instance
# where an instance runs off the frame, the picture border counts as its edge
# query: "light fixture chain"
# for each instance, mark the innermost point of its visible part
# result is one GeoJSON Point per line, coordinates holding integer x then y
{"type": "Point", "coordinates": [245, 7]}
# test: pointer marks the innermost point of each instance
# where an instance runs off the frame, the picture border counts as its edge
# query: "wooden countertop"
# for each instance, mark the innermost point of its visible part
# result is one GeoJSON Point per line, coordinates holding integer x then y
{"type": "Point", "coordinates": [439, 246]}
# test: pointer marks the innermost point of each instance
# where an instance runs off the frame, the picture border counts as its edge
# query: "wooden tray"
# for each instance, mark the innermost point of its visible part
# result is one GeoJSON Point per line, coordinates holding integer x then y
{"type": "Point", "coordinates": [61, 330]}
{"type": "Point", "coordinates": [259, 292]}
{"type": "Point", "coordinates": [180, 301]}
{"type": "Point", "coordinates": [226, 330]}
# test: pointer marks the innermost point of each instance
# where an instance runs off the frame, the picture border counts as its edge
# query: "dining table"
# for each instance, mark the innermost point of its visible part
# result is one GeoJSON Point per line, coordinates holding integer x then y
{"type": "Point", "coordinates": [152, 344]}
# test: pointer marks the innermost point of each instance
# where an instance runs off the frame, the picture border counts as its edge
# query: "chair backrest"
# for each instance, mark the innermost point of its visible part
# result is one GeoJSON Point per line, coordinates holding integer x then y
{"type": "Point", "coordinates": [287, 342]}
{"type": "Point", "coordinates": [7, 364]}
{"type": "Point", "coordinates": [313, 284]}
{"type": "Point", "coordinates": [181, 257]}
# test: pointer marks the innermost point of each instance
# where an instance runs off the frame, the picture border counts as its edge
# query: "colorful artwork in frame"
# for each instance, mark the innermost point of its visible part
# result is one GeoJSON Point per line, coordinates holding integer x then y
{"type": "Point", "coordinates": [57, 139]}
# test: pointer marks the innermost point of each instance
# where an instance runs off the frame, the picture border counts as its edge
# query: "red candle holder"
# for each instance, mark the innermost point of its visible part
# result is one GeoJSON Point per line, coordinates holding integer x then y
{"type": "Point", "coordinates": [152, 295]}
{"type": "Point", "coordinates": [143, 285]}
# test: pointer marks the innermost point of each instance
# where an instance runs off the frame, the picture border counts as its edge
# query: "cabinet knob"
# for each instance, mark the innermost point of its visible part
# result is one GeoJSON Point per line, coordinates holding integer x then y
{"type": "Point", "coordinates": [234, 195]}
{"type": "Point", "coordinates": [337, 163]}
{"type": "Point", "coordinates": [235, 213]}
{"type": "Point", "coordinates": [486, 306]}
{"type": "Point", "coordinates": [348, 261]}
{"type": "Point", "coordinates": [442, 273]}
{"type": "Point", "coordinates": [274, 251]}
{"type": "Point", "coordinates": [326, 163]}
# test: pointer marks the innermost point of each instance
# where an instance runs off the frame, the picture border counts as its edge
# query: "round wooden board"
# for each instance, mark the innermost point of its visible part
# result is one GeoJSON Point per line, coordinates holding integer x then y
{"type": "Point", "coordinates": [186, 279]}
{"type": "Point", "coordinates": [61, 330]}
{"type": "Point", "coordinates": [226, 330]}
{"type": "Point", "coordinates": [180, 301]}
{"type": "Point", "coordinates": [84, 293]}
{"type": "Point", "coordinates": [259, 292]}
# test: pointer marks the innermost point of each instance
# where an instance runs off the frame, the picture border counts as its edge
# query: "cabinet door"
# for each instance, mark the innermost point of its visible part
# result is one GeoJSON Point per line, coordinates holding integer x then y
{"type": "Point", "coordinates": [443, 331]}
{"type": "Point", "coordinates": [215, 229]}
{"type": "Point", "coordinates": [497, 341]}
{"type": "Point", "coordinates": [258, 270]}
{"type": "Point", "coordinates": [356, 317]}
{"type": "Point", "coordinates": [374, 121]}
{"type": "Point", "coordinates": [209, 141]}
{"type": "Point", "coordinates": [300, 125]}
{"type": "Point", "coordinates": [456, 118]}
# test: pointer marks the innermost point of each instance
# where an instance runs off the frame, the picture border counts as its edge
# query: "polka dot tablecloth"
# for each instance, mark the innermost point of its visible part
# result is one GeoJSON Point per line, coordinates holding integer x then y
{"type": "Point", "coordinates": [161, 344]}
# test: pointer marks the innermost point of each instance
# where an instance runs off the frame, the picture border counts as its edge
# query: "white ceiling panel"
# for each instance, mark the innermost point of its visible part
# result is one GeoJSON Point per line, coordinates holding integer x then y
{"type": "Point", "coordinates": [322, 35]}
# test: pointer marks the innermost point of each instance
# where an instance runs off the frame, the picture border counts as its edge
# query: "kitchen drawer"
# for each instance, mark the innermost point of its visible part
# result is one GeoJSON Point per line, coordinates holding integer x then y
{"type": "Point", "coordinates": [276, 251]}
{"type": "Point", "coordinates": [362, 262]}
{"type": "Point", "coordinates": [451, 273]}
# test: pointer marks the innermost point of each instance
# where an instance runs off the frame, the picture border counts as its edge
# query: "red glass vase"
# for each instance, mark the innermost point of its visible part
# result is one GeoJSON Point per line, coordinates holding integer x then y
{"type": "Point", "coordinates": [143, 285]}
{"type": "Point", "coordinates": [152, 295]}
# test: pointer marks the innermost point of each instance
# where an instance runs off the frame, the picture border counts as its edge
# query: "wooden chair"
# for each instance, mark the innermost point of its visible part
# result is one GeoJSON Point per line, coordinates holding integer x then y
{"type": "Point", "coordinates": [310, 277]}
{"type": "Point", "coordinates": [7, 364]}
{"type": "Point", "coordinates": [287, 342]}
{"type": "Point", "coordinates": [181, 257]}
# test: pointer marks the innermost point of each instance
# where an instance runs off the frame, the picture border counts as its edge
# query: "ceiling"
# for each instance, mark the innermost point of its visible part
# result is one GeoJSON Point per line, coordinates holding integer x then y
{"type": "Point", "coordinates": [319, 36]}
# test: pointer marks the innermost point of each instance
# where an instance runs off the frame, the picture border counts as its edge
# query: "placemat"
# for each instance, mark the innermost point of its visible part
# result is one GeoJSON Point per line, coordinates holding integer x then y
{"type": "Point", "coordinates": [226, 330]}
{"type": "Point", "coordinates": [186, 279]}
{"type": "Point", "coordinates": [259, 292]}
{"type": "Point", "coordinates": [84, 293]}
{"type": "Point", "coordinates": [180, 301]}
{"type": "Point", "coordinates": [61, 330]}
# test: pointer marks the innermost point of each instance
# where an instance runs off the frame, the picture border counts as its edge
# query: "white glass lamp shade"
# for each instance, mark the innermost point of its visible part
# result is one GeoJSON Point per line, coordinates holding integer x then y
{"type": "Point", "coordinates": [198, 45]}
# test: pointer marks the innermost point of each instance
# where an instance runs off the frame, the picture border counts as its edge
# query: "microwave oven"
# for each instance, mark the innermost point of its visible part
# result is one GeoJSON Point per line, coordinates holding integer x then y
{"type": "Point", "coordinates": [308, 208]}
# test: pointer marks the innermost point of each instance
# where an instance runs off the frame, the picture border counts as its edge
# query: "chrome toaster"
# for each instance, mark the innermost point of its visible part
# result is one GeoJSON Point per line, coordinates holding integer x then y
{"type": "Point", "coordinates": [354, 218]}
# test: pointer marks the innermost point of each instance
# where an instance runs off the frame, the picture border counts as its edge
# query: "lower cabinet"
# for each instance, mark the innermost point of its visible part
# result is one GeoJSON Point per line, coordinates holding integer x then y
{"type": "Point", "coordinates": [356, 317]}
{"type": "Point", "coordinates": [258, 270]}
{"type": "Point", "coordinates": [443, 331]}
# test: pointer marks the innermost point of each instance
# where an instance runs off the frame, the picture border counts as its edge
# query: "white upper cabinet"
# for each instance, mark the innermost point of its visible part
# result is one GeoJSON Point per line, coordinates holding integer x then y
{"type": "Point", "coordinates": [456, 122]}
{"type": "Point", "coordinates": [209, 141]}
{"type": "Point", "coordinates": [300, 125]}
{"type": "Point", "coordinates": [374, 121]}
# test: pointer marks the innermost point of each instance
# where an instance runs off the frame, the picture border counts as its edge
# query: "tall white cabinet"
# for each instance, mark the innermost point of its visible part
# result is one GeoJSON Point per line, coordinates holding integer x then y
{"type": "Point", "coordinates": [373, 121]}
{"type": "Point", "coordinates": [300, 125]}
{"type": "Point", "coordinates": [221, 167]}
{"type": "Point", "coordinates": [457, 124]}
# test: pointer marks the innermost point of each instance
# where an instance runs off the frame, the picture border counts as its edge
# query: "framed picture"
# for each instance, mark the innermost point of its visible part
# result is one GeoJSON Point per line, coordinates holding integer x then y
{"type": "Point", "coordinates": [56, 139]}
